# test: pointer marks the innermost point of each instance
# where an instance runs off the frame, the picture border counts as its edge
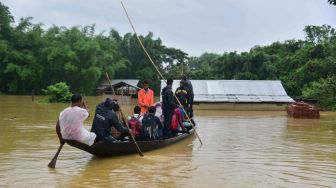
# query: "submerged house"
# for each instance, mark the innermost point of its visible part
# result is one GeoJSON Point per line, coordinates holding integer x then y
{"type": "Point", "coordinates": [125, 90]}
{"type": "Point", "coordinates": [238, 94]}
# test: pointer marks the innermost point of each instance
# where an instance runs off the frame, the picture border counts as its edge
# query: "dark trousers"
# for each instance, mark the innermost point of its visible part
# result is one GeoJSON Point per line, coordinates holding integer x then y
{"type": "Point", "coordinates": [191, 110]}
{"type": "Point", "coordinates": [109, 139]}
{"type": "Point", "coordinates": [186, 110]}
{"type": "Point", "coordinates": [168, 115]}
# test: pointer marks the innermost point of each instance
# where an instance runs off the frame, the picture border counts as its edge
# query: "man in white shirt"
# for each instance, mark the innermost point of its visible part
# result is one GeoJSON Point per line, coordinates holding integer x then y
{"type": "Point", "coordinates": [70, 122]}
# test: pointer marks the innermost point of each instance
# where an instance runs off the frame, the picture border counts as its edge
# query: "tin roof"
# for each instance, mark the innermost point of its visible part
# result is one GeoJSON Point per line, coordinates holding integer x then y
{"type": "Point", "coordinates": [133, 83]}
{"type": "Point", "coordinates": [237, 91]}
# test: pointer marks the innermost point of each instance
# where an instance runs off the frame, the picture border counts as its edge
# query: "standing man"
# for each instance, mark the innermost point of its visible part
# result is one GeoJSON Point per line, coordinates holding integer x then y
{"type": "Point", "coordinates": [191, 94]}
{"type": "Point", "coordinates": [145, 97]}
{"type": "Point", "coordinates": [182, 93]}
{"type": "Point", "coordinates": [169, 105]}
{"type": "Point", "coordinates": [70, 122]}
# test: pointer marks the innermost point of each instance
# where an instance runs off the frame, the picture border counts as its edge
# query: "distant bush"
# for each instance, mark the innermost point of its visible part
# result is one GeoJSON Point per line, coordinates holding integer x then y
{"type": "Point", "coordinates": [324, 90]}
{"type": "Point", "coordinates": [59, 92]}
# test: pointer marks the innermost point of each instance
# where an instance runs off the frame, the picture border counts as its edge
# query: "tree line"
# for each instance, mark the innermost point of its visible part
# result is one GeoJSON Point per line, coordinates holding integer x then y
{"type": "Point", "coordinates": [307, 68]}
{"type": "Point", "coordinates": [32, 57]}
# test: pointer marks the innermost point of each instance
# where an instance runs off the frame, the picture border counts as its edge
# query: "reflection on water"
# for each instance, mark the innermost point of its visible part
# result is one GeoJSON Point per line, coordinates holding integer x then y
{"type": "Point", "coordinates": [241, 149]}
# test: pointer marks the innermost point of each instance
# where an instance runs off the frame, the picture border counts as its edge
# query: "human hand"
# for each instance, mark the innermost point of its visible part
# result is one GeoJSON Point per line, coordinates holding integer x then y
{"type": "Point", "coordinates": [84, 103]}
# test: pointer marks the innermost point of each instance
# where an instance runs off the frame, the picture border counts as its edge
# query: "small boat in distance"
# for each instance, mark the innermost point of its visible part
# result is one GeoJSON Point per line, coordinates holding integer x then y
{"type": "Point", "coordinates": [102, 149]}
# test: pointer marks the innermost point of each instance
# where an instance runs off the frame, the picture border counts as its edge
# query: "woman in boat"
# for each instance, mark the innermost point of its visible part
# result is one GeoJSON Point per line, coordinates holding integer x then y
{"type": "Point", "coordinates": [177, 125]}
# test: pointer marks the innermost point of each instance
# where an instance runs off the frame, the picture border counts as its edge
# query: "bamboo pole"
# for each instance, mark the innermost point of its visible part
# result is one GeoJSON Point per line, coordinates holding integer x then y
{"type": "Point", "coordinates": [156, 68]}
{"type": "Point", "coordinates": [124, 119]}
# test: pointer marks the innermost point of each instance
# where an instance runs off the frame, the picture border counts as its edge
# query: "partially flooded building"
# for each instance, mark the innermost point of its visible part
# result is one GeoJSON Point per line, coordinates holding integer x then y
{"type": "Point", "coordinates": [125, 90]}
{"type": "Point", "coordinates": [238, 94]}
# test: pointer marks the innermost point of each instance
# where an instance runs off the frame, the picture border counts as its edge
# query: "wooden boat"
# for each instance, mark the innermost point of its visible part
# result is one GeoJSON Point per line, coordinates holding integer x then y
{"type": "Point", "coordinates": [102, 149]}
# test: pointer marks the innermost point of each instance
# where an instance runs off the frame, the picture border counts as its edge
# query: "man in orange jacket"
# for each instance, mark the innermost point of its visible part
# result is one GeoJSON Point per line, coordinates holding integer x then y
{"type": "Point", "coordinates": [145, 97]}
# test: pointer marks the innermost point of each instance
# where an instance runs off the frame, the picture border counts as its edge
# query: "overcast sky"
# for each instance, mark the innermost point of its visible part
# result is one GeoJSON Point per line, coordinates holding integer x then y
{"type": "Point", "coordinates": [194, 26]}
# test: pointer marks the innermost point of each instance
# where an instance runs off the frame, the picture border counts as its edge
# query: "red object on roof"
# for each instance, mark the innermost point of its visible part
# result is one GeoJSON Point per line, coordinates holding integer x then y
{"type": "Point", "coordinates": [303, 110]}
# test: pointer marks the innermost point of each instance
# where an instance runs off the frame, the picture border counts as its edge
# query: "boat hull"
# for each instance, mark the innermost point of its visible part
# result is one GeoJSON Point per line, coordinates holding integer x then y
{"type": "Point", "coordinates": [102, 149]}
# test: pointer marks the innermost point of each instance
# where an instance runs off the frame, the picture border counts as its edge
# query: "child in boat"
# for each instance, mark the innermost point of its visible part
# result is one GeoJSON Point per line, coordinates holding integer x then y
{"type": "Point", "coordinates": [151, 128]}
{"type": "Point", "coordinates": [135, 122]}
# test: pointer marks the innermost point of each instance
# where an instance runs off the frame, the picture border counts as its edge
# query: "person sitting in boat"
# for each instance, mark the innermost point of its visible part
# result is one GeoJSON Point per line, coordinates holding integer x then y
{"type": "Point", "coordinates": [151, 128]}
{"type": "Point", "coordinates": [185, 120]}
{"type": "Point", "coordinates": [105, 118]}
{"type": "Point", "coordinates": [177, 125]}
{"type": "Point", "coordinates": [168, 107]}
{"type": "Point", "coordinates": [135, 122]}
{"type": "Point", "coordinates": [182, 93]}
{"type": "Point", "coordinates": [123, 121]}
{"type": "Point", "coordinates": [70, 122]}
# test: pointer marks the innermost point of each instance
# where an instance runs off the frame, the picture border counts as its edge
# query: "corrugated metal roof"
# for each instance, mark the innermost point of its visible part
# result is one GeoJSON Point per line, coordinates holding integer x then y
{"type": "Point", "coordinates": [237, 91]}
{"type": "Point", "coordinates": [133, 83]}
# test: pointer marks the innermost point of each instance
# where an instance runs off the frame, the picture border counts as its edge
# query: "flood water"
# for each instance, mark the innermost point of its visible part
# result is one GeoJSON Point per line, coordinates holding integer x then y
{"type": "Point", "coordinates": [240, 149]}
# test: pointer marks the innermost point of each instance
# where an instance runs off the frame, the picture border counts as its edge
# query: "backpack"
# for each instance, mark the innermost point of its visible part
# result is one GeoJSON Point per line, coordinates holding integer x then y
{"type": "Point", "coordinates": [133, 123]}
{"type": "Point", "coordinates": [149, 128]}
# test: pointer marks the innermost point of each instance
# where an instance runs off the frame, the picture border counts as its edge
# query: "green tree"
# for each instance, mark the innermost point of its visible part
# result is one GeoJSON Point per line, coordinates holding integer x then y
{"type": "Point", "coordinates": [59, 92]}
{"type": "Point", "coordinates": [317, 34]}
{"type": "Point", "coordinates": [324, 90]}
{"type": "Point", "coordinates": [32, 57]}
{"type": "Point", "coordinates": [5, 21]}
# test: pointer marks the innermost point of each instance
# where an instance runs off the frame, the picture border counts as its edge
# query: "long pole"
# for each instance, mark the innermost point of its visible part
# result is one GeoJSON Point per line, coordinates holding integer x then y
{"type": "Point", "coordinates": [156, 68]}
{"type": "Point", "coordinates": [124, 119]}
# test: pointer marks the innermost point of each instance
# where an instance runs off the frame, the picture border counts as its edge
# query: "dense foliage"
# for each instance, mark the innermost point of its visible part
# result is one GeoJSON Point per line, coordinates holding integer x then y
{"type": "Point", "coordinates": [32, 57]}
{"type": "Point", "coordinates": [59, 92]}
{"type": "Point", "coordinates": [307, 68]}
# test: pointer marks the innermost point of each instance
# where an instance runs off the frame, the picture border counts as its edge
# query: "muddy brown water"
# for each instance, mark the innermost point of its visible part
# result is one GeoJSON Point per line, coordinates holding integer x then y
{"type": "Point", "coordinates": [241, 149]}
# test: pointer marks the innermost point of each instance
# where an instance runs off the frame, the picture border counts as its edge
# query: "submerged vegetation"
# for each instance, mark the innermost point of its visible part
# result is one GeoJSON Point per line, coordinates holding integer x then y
{"type": "Point", "coordinates": [59, 92]}
{"type": "Point", "coordinates": [32, 58]}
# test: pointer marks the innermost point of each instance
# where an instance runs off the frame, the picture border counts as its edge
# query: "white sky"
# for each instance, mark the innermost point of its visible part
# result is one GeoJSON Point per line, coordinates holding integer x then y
{"type": "Point", "coordinates": [194, 26]}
